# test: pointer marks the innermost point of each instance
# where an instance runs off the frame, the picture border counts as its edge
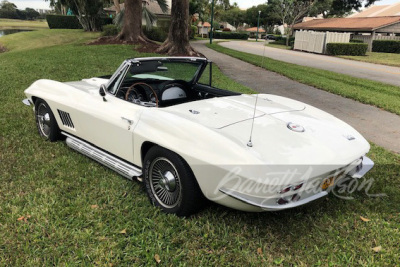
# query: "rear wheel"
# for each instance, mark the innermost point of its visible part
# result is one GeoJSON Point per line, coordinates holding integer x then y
{"type": "Point", "coordinates": [170, 183]}
{"type": "Point", "coordinates": [46, 122]}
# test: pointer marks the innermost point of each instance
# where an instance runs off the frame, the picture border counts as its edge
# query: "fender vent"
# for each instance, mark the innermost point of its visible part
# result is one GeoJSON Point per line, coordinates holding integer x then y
{"type": "Point", "coordinates": [66, 119]}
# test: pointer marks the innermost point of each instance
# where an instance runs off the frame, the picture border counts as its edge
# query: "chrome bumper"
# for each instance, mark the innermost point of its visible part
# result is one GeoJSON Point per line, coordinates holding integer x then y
{"type": "Point", "coordinates": [26, 101]}
{"type": "Point", "coordinates": [364, 167]}
{"type": "Point", "coordinates": [259, 202]}
{"type": "Point", "coordinates": [358, 172]}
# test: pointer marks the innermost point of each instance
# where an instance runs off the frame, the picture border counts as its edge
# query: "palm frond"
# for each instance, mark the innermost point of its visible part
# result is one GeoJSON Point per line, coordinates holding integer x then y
{"type": "Point", "coordinates": [163, 5]}
{"type": "Point", "coordinates": [149, 17]}
{"type": "Point", "coordinates": [119, 18]}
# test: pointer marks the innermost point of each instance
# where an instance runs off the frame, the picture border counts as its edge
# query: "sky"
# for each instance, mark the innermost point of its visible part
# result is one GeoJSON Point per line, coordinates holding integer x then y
{"type": "Point", "coordinates": [246, 4]}
{"type": "Point", "coordinates": [41, 4]}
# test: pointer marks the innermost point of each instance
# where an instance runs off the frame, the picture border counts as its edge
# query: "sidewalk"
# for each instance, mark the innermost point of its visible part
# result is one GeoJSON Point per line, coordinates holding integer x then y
{"type": "Point", "coordinates": [378, 126]}
{"type": "Point", "coordinates": [370, 71]}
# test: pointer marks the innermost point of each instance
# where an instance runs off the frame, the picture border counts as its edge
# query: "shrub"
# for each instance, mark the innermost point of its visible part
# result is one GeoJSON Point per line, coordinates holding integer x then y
{"type": "Point", "coordinates": [192, 31]}
{"type": "Point", "coordinates": [110, 30]}
{"type": "Point", "coordinates": [350, 49]}
{"type": "Point", "coordinates": [230, 35]}
{"type": "Point", "coordinates": [282, 40]}
{"type": "Point", "coordinates": [156, 34]}
{"type": "Point", "coordinates": [356, 41]}
{"type": "Point", "coordinates": [63, 22]}
{"type": "Point", "coordinates": [386, 46]}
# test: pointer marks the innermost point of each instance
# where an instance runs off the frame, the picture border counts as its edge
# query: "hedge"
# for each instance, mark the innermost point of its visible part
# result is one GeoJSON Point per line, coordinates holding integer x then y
{"type": "Point", "coordinates": [282, 40]}
{"type": "Point", "coordinates": [110, 30]}
{"type": "Point", "coordinates": [230, 35]}
{"type": "Point", "coordinates": [71, 22]}
{"type": "Point", "coordinates": [63, 22]}
{"type": "Point", "coordinates": [156, 34]}
{"type": "Point", "coordinates": [356, 41]}
{"type": "Point", "coordinates": [386, 46]}
{"type": "Point", "coordinates": [350, 49]}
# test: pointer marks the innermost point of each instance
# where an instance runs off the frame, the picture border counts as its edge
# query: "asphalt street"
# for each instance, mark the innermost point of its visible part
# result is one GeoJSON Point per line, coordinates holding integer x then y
{"type": "Point", "coordinates": [380, 73]}
{"type": "Point", "coordinates": [376, 125]}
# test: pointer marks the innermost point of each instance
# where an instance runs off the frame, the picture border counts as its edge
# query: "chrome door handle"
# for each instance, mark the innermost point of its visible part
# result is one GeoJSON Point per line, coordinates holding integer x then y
{"type": "Point", "coordinates": [128, 120]}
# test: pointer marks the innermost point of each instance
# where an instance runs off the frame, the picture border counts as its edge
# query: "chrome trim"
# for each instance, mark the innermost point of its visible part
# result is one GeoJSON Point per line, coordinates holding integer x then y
{"type": "Point", "coordinates": [127, 120]}
{"type": "Point", "coordinates": [258, 202]}
{"type": "Point", "coordinates": [110, 161]}
{"type": "Point", "coordinates": [27, 102]}
{"type": "Point", "coordinates": [365, 166]}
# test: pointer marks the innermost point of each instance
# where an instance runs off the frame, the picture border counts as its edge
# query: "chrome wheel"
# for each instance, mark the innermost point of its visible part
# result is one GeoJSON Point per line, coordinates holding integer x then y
{"type": "Point", "coordinates": [165, 182]}
{"type": "Point", "coordinates": [44, 120]}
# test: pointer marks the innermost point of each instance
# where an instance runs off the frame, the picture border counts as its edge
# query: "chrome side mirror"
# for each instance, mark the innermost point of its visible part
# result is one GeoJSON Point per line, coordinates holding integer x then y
{"type": "Point", "coordinates": [102, 91]}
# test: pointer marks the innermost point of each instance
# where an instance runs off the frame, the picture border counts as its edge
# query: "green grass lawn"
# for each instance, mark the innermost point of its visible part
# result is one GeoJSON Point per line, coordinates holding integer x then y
{"type": "Point", "coordinates": [26, 24]}
{"type": "Point", "coordinates": [45, 38]}
{"type": "Point", "coordinates": [58, 207]}
{"type": "Point", "coordinates": [390, 59]}
{"type": "Point", "coordinates": [280, 46]}
{"type": "Point", "coordinates": [382, 95]}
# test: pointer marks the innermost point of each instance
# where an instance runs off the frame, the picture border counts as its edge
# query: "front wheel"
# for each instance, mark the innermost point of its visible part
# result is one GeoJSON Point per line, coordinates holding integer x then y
{"type": "Point", "coordinates": [46, 122]}
{"type": "Point", "coordinates": [170, 183]}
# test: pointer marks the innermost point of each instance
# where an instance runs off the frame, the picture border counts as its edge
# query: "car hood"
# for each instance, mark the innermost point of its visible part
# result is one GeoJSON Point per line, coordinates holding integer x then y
{"type": "Point", "coordinates": [88, 85]}
{"type": "Point", "coordinates": [221, 112]}
{"type": "Point", "coordinates": [325, 139]}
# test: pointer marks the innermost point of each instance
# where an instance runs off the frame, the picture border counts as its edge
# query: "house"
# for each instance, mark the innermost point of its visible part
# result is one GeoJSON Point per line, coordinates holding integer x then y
{"type": "Point", "coordinates": [378, 11]}
{"type": "Point", "coordinates": [152, 6]}
{"type": "Point", "coordinates": [253, 32]}
{"type": "Point", "coordinates": [226, 25]}
{"type": "Point", "coordinates": [362, 28]}
{"type": "Point", "coordinates": [203, 28]}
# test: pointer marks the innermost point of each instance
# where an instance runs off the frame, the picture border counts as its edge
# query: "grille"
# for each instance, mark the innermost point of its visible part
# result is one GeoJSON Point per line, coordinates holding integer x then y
{"type": "Point", "coordinates": [66, 119]}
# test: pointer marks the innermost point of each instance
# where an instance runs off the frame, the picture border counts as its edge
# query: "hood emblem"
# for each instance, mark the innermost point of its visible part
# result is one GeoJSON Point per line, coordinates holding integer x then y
{"type": "Point", "coordinates": [295, 127]}
{"type": "Point", "coordinates": [349, 137]}
{"type": "Point", "coordinates": [194, 111]}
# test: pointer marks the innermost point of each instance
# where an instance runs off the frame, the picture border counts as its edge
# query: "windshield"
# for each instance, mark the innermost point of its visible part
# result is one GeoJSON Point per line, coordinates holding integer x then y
{"type": "Point", "coordinates": [160, 70]}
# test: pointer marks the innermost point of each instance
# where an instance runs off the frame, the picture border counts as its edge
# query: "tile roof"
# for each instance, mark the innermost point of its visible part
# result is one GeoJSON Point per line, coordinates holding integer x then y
{"type": "Point", "coordinates": [379, 11]}
{"type": "Point", "coordinates": [347, 24]}
{"type": "Point", "coordinates": [254, 29]}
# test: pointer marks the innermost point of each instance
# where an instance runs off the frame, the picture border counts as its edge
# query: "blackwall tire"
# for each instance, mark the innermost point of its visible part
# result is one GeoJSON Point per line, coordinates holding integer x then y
{"type": "Point", "coordinates": [170, 183]}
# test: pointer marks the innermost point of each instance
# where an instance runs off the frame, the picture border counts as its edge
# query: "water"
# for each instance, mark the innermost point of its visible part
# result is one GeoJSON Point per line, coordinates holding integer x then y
{"type": "Point", "coordinates": [11, 31]}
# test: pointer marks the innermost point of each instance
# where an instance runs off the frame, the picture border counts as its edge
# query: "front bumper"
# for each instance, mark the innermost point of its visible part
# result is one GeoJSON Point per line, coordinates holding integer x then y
{"type": "Point", "coordinates": [271, 204]}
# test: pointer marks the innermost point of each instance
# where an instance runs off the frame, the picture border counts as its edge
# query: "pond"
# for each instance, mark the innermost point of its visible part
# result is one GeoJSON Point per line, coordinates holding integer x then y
{"type": "Point", "coordinates": [11, 31]}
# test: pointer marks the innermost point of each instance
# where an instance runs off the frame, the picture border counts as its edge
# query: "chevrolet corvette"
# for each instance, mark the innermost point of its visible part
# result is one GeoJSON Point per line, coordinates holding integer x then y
{"type": "Point", "coordinates": [160, 121]}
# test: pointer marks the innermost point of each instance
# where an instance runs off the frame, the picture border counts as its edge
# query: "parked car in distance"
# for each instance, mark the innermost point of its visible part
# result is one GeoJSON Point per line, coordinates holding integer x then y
{"type": "Point", "coordinates": [270, 37]}
{"type": "Point", "coordinates": [159, 120]}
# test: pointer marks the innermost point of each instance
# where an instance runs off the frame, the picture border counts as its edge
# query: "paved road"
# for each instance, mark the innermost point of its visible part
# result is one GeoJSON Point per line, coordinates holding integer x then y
{"type": "Point", "coordinates": [378, 126]}
{"type": "Point", "coordinates": [380, 73]}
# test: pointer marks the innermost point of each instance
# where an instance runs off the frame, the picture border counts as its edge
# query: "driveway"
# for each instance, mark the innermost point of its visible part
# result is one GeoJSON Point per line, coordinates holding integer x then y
{"type": "Point", "coordinates": [378, 126]}
{"type": "Point", "coordinates": [380, 73]}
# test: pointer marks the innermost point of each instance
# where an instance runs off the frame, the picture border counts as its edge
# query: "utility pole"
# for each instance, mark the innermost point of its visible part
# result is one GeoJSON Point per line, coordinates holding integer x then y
{"type": "Point", "coordinates": [258, 23]}
{"type": "Point", "coordinates": [212, 21]}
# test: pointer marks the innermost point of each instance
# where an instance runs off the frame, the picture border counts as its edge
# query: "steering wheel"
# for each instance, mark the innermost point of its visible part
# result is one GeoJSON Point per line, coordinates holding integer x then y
{"type": "Point", "coordinates": [136, 94]}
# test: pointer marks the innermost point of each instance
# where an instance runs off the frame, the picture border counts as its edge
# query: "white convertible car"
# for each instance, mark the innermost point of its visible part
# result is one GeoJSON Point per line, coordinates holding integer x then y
{"type": "Point", "coordinates": [160, 121]}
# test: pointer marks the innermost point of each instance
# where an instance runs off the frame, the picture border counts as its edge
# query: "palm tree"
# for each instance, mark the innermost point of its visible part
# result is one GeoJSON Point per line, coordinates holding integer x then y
{"type": "Point", "coordinates": [177, 42]}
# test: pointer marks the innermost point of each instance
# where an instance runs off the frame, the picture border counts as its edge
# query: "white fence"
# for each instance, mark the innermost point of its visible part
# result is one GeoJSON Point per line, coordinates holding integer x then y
{"type": "Point", "coordinates": [369, 38]}
{"type": "Point", "coordinates": [315, 42]}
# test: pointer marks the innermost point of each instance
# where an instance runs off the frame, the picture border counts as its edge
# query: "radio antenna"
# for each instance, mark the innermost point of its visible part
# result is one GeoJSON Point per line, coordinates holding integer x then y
{"type": "Point", "coordinates": [250, 143]}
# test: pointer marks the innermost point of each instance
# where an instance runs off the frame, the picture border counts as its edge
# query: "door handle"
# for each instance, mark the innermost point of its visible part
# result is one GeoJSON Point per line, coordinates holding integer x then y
{"type": "Point", "coordinates": [128, 120]}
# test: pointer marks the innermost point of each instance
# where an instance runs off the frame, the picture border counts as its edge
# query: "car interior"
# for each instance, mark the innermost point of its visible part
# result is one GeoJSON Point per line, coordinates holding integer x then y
{"type": "Point", "coordinates": [141, 86]}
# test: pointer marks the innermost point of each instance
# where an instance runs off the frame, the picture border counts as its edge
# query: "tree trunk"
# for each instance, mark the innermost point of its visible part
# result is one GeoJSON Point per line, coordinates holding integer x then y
{"type": "Point", "coordinates": [132, 29]}
{"type": "Point", "coordinates": [117, 7]}
{"type": "Point", "coordinates": [177, 43]}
